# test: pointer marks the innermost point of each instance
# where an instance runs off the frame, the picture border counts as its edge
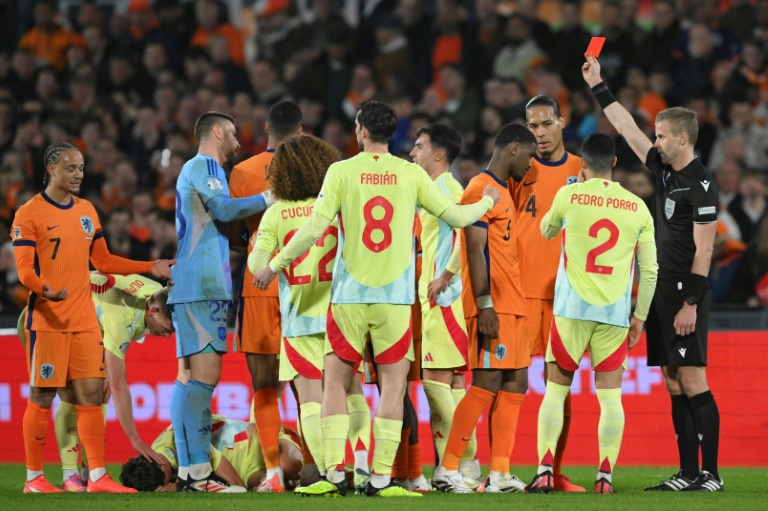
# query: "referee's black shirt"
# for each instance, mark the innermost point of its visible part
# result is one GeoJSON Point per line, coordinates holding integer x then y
{"type": "Point", "coordinates": [681, 199]}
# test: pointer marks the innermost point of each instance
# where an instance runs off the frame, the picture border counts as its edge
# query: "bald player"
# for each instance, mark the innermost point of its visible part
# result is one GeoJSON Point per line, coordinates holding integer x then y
{"type": "Point", "coordinates": [552, 168]}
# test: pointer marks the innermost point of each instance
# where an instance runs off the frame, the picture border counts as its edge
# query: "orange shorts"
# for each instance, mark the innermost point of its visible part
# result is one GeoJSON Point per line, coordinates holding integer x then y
{"type": "Point", "coordinates": [55, 358]}
{"type": "Point", "coordinates": [258, 325]}
{"type": "Point", "coordinates": [509, 350]}
{"type": "Point", "coordinates": [538, 324]}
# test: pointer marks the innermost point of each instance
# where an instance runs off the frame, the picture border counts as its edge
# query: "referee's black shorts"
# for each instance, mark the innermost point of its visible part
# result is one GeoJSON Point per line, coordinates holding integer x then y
{"type": "Point", "coordinates": [665, 347]}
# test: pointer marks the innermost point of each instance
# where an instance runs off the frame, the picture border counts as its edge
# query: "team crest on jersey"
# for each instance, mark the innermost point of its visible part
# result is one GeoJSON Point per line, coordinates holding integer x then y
{"type": "Point", "coordinates": [17, 232]}
{"type": "Point", "coordinates": [215, 184]}
{"type": "Point", "coordinates": [571, 179]}
{"type": "Point", "coordinates": [669, 208]}
{"type": "Point", "coordinates": [46, 371]}
{"type": "Point", "coordinates": [501, 352]}
{"type": "Point", "coordinates": [87, 224]}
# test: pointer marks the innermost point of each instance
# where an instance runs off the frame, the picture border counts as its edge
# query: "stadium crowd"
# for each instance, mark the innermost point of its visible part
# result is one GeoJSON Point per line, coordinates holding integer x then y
{"type": "Point", "coordinates": [125, 82]}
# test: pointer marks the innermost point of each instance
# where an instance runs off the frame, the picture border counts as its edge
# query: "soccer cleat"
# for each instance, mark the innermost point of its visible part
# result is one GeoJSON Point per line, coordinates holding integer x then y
{"type": "Point", "coordinates": [75, 484]}
{"type": "Point", "coordinates": [604, 486]}
{"type": "Point", "coordinates": [40, 485]}
{"type": "Point", "coordinates": [360, 478]}
{"type": "Point", "coordinates": [506, 483]}
{"type": "Point", "coordinates": [542, 483]}
{"type": "Point", "coordinates": [449, 483]}
{"type": "Point", "coordinates": [391, 490]}
{"type": "Point", "coordinates": [105, 484]}
{"type": "Point", "coordinates": [212, 484]}
{"type": "Point", "coordinates": [181, 484]}
{"type": "Point", "coordinates": [481, 488]}
{"type": "Point", "coordinates": [419, 485]}
{"type": "Point", "coordinates": [675, 483]}
{"type": "Point", "coordinates": [323, 488]}
{"type": "Point", "coordinates": [273, 485]}
{"type": "Point", "coordinates": [563, 483]}
{"type": "Point", "coordinates": [706, 482]}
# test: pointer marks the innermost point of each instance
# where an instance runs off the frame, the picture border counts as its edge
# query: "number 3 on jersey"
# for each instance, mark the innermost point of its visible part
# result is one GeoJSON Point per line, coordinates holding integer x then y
{"type": "Point", "coordinates": [372, 224]}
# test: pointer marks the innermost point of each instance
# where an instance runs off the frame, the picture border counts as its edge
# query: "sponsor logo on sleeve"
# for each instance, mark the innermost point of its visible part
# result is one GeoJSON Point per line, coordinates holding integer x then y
{"type": "Point", "coordinates": [709, 210]}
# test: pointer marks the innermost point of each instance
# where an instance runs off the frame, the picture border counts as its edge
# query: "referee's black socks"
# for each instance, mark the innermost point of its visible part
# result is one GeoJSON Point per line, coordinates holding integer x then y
{"type": "Point", "coordinates": [685, 430]}
{"type": "Point", "coordinates": [707, 419]}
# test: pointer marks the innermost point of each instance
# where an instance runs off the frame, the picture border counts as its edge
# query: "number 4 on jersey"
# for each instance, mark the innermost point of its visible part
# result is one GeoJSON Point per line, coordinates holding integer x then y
{"type": "Point", "coordinates": [531, 206]}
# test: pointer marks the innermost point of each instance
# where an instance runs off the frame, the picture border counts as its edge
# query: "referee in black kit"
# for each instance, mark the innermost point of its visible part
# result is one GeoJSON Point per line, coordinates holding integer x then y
{"type": "Point", "coordinates": [685, 217]}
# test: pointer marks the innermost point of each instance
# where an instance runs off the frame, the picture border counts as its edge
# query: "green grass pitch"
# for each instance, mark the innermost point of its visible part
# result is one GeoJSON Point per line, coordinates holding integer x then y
{"type": "Point", "coordinates": [745, 489]}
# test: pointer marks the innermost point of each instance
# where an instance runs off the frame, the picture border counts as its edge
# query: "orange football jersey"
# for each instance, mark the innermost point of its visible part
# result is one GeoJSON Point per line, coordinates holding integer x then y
{"type": "Point", "coordinates": [250, 178]}
{"type": "Point", "coordinates": [539, 257]}
{"type": "Point", "coordinates": [62, 237]}
{"type": "Point", "coordinates": [501, 251]}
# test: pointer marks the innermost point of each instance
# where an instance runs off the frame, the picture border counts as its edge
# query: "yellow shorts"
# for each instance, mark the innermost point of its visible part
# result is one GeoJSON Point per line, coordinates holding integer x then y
{"type": "Point", "coordinates": [444, 343]}
{"type": "Point", "coordinates": [302, 356]}
{"type": "Point", "coordinates": [55, 358]}
{"type": "Point", "coordinates": [510, 350]}
{"type": "Point", "coordinates": [389, 327]}
{"type": "Point", "coordinates": [570, 338]}
{"type": "Point", "coordinates": [538, 323]}
{"type": "Point", "coordinates": [258, 325]}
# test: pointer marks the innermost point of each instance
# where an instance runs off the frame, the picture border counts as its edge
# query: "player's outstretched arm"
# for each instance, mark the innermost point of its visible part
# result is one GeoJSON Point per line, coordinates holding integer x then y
{"type": "Point", "coordinates": [462, 216]}
{"type": "Point", "coordinates": [477, 240]}
{"type": "Point", "coordinates": [106, 262]}
{"type": "Point", "coordinates": [121, 396]}
{"type": "Point", "coordinates": [614, 111]}
{"type": "Point", "coordinates": [227, 209]}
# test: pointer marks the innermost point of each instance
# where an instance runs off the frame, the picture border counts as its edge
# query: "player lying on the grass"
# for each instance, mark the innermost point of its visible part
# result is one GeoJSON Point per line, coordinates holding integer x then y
{"type": "Point", "coordinates": [605, 225]}
{"type": "Point", "coordinates": [493, 303]}
{"type": "Point", "coordinates": [296, 175]}
{"type": "Point", "coordinates": [236, 457]}
{"type": "Point", "coordinates": [126, 307]}
{"type": "Point", "coordinates": [444, 331]}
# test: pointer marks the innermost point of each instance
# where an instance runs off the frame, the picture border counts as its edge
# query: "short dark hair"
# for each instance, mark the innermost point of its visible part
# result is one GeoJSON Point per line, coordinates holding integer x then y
{"type": "Point", "coordinates": [207, 121]}
{"type": "Point", "coordinates": [141, 474]}
{"type": "Point", "coordinates": [598, 152]}
{"type": "Point", "coordinates": [544, 100]}
{"type": "Point", "coordinates": [284, 119]}
{"type": "Point", "coordinates": [514, 132]}
{"type": "Point", "coordinates": [378, 118]}
{"type": "Point", "coordinates": [442, 136]}
{"type": "Point", "coordinates": [160, 300]}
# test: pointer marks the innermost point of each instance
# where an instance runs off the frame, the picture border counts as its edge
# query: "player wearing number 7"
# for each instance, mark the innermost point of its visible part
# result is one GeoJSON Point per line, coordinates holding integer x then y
{"type": "Point", "coordinates": [375, 196]}
{"type": "Point", "coordinates": [603, 224]}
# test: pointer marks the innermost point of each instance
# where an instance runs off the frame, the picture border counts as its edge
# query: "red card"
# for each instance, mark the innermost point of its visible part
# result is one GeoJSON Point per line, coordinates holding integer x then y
{"type": "Point", "coordinates": [595, 46]}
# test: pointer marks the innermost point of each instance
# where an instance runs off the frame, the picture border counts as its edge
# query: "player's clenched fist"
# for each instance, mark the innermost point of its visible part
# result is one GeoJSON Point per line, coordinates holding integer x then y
{"type": "Point", "coordinates": [264, 277]}
{"type": "Point", "coordinates": [493, 193]}
{"type": "Point", "coordinates": [488, 323]}
{"type": "Point", "coordinates": [590, 71]}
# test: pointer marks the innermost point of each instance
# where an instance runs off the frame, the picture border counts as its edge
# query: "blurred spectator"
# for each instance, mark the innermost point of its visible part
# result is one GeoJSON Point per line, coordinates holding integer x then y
{"type": "Point", "coordinates": [265, 82]}
{"type": "Point", "coordinates": [754, 137]}
{"type": "Point", "coordinates": [464, 105]}
{"type": "Point", "coordinates": [117, 232]}
{"type": "Point", "coordinates": [278, 33]}
{"type": "Point", "coordinates": [519, 51]}
{"type": "Point", "coordinates": [749, 207]}
{"type": "Point", "coordinates": [740, 18]}
{"type": "Point", "coordinates": [361, 87]}
{"type": "Point", "coordinates": [542, 33]}
{"type": "Point", "coordinates": [702, 105]}
{"type": "Point", "coordinates": [162, 232]}
{"type": "Point", "coordinates": [417, 28]}
{"type": "Point", "coordinates": [47, 40]}
{"type": "Point", "coordinates": [211, 19]}
{"type": "Point", "coordinates": [629, 21]}
{"type": "Point", "coordinates": [569, 44]}
{"type": "Point", "coordinates": [728, 178]}
{"type": "Point", "coordinates": [120, 186]}
{"type": "Point", "coordinates": [12, 293]}
{"type": "Point", "coordinates": [392, 48]}
{"type": "Point", "coordinates": [660, 44]}
{"type": "Point", "coordinates": [619, 45]}
{"type": "Point", "coordinates": [752, 271]}
{"type": "Point", "coordinates": [640, 183]}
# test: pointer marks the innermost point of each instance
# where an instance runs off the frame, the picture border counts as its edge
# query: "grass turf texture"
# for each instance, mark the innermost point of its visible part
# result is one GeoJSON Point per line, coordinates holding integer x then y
{"type": "Point", "coordinates": [745, 488]}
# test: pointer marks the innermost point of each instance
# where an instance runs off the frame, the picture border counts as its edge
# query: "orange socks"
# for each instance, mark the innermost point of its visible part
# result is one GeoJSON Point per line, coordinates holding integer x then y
{"type": "Point", "coordinates": [267, 416]}
{"type": "Point", "coordinates": [563, 440]}
{"type": "Point", "coordinates": [414, 461]}
{"type": "Point", "coordinates": [504, 425]}
{"type": "Point", "coordinates": [90, 428]}
{"type": "Point", "coordinates": [400, 465]}
{"type": "Point", "coordinates": [35, 428]}
{"type": "Point", "coordinates": [465, 419]}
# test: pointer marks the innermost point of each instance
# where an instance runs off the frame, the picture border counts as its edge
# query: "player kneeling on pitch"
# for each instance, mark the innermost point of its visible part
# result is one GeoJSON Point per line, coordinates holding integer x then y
{"type": "Point", "coordinates": [592, 301]}
{"type": "Point", "coordinates": [236, 457]}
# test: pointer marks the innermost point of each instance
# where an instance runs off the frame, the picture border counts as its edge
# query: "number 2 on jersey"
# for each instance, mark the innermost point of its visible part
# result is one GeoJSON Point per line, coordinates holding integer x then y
{"type": "Point", "coordinates": [592, 266]}
{"type": "Point", "coordinates": [322, 268]}
{"type": "Point", "coordinates": [372, 224]}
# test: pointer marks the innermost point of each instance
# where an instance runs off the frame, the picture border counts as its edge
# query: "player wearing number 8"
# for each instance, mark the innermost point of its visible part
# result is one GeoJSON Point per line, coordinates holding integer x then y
{"type": "Point", "coordinates": [375, 196]}
{"type": "Point", "coordinates": [603, 224]}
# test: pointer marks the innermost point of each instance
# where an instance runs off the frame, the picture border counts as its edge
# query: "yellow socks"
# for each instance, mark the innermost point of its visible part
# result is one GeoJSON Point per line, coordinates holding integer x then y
{"type": "Point", "coordinates": [335, 431]}
{"type": "Point", "coordinates": [610, 429]}
{"type": "Point", "coordinates": [442, 408]}
{"type": "Point", "coordinates": [551, 421]}
{"type": "Point", "coordinates": [311, 428]}
{"type": "Point", "coordinates": [386, 434]}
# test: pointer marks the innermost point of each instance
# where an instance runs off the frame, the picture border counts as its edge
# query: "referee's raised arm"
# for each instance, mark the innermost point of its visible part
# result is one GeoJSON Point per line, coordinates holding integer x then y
{"type": "Point", "coordinates": [616, 113]}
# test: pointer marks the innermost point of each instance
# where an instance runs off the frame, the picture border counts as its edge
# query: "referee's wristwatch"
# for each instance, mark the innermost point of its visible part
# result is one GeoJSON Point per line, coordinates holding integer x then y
{"type": "Point", "coordinates": [692, 301]}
